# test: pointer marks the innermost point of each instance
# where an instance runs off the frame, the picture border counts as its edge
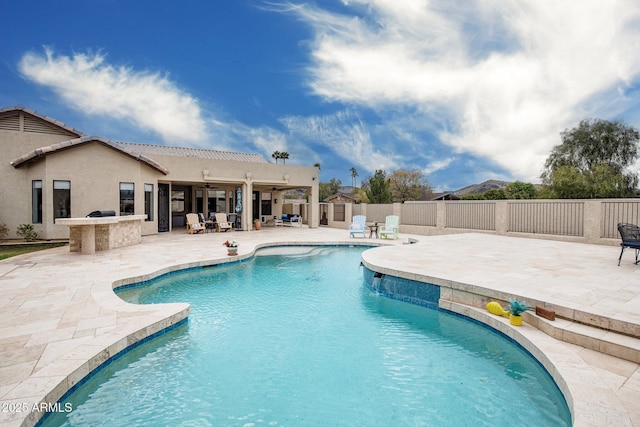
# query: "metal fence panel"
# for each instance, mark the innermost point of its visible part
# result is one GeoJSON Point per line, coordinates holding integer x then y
{"type": "Point", "coordinates": [614, 212]}
{"type": "Point", "coordinates": [561, 218]}
{"type": "Point", "coordinates": [419, 213]}
{"type": "Point", "coordinates": [379, 212]}
{"type": "Point", "coordinates": [471, 215]}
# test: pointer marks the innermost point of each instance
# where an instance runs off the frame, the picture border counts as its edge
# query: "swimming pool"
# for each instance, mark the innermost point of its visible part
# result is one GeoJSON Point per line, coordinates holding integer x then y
{"type": "Point", "coordinates": [299, 340]}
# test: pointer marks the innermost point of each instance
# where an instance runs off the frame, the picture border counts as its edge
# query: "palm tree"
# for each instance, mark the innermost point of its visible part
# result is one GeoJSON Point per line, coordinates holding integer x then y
{"type": "Point", "coordinates": [284, 156]}
{"type": "Point", "coordinates": [354, 173]}
{"type": "Point", "coordinates": [276, 155]}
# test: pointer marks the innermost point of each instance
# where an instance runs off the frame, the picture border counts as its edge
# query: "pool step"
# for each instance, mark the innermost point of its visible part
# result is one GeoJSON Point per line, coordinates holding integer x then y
{"type": "Point", "coordinates": [604, 341]}
{"type": "Point", "coordinates": [592, 337]}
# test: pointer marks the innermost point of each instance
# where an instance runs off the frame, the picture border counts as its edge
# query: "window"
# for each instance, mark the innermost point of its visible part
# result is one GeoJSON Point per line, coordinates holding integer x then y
{"type": "Point", "coordinates": [338, 212]}
{"type": "Point", "coordinates": [217, 202]}
{"type": "Point", "coordinates": [211, 202]}
{"type": "Point", "coordinates": [200, 201]}
{"type": "Point", "coordinates": [61, 199]}
{"type": "Point", "coordinates": [266, 203]}
{"type": "Point", "coordinates": [148, 201]}
{"type": "Point", "coordinates": [36, 202]}
{"type": "Point", "coordinates": [177, 201]}
{"type": "Point", "coordinates": [126, 198]}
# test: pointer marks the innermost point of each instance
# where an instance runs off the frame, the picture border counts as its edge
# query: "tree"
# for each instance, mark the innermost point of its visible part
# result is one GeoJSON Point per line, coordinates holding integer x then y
{"type": "Point", "coordinates": [493, 194]}
{"type": "Point", "coordinates": [361, 195]}
{"type": "Point", "coordinates": [378, 191]}
{"type": "Point", "coordinates": [408, 185]}
{"type": "Point", "coordinates": [354, 174]}
{"type": "Point", "coordinates": [520, 190]}
{"type": "Point", "coordinates": [280, 155]}
{"type": "Point", "coordinates": [276, 156]}
{"type": "Point", "coordinates": [327, 189]}
{"type": "Point", "coordinates": [323, 190]}
{"type": "Point", "coordinates": [364, 184]}
{"type": "Point", "coordinates": [335, 185]}
{"type": "Point", "coordinates": [593, 161]}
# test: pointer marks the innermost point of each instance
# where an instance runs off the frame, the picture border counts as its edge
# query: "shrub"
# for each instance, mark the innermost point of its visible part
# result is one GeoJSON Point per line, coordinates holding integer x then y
{"type": "Point", "coordinates": [27, 232]}
{"type": "Point", "coordinates": [4, 230]}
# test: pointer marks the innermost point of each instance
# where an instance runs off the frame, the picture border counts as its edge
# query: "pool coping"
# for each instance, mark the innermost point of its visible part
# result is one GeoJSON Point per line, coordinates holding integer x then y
{"type": "Point", "coordinates": [589, 404]}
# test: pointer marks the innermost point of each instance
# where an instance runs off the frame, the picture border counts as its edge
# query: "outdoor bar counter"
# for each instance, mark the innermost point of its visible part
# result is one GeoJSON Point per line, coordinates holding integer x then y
{"type": "Point", "coordinates": [88, 235]}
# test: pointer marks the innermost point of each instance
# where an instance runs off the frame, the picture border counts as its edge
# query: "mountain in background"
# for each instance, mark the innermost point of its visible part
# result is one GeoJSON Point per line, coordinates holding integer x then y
{"type": "Point", "coordinates": [491, 184]}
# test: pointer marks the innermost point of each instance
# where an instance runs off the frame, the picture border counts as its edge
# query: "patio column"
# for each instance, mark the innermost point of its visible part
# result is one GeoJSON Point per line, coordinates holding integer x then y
{"type": "Point", "coordinates": [247, 207]}
{"type": "Point", "coordinates": [313, 210]}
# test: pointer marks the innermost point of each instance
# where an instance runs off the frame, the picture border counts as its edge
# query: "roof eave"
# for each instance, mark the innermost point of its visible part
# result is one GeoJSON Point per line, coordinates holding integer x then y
{"type": "Point", "coordinates": [65, 145]}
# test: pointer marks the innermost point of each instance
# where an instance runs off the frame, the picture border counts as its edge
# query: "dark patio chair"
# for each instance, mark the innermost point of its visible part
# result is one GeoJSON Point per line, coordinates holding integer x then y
{"type": "Point", "coordinates": [630, 235]}
{"type": "Point", "coordinates": [208, 224]}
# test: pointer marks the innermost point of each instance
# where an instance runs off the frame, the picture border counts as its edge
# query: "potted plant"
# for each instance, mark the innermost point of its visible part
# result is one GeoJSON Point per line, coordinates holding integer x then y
{"type": "Point", "coordinates": [515, 310]}
{"type": "Point", "coordinates": [257, 224]}
{"type": "Point", "coordinates": [232, 247]}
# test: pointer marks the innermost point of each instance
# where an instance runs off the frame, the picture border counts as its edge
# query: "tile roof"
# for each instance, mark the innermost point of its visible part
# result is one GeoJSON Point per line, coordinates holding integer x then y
{"type": "Point", "coordinates": [447, 195]}
{"type": "Point", "coordinates": [162, 150]}
{"type": "Point", "coordinates": [64, 145]}
{"type": "Point", "coordinates": [8, 110]}
{"type": "Point", "coordinates": [135, 150]}
{"type": "Point", "coordinates": [341, 195]}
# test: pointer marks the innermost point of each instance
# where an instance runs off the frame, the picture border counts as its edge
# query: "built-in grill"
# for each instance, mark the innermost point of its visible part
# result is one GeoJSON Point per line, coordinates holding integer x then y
{"type": "Point", "coordinates": [99, 214]}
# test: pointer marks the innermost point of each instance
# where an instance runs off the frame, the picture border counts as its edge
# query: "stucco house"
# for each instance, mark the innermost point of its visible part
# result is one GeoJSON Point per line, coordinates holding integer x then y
{"type": "Point", "coordinates": [49, 170]}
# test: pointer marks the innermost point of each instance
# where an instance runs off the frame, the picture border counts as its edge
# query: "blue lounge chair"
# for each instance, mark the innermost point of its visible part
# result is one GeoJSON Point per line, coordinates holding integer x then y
{"type": "Point", "coordinates": [292, 220]}
{"type": "Point", "coordinates": [357, 225]}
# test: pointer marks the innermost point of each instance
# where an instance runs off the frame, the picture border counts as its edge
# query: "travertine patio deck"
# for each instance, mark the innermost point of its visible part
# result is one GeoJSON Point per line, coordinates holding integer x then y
{"type": "Point", "coordinates": [60, 318]}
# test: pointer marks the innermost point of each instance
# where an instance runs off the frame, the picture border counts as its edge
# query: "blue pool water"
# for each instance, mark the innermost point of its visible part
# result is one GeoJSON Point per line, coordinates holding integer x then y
{"type": "Point", "coordinates": [290, 340]}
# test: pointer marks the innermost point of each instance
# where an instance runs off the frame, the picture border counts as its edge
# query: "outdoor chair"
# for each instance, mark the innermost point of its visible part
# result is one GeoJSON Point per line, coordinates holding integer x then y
{"type": "Point", "coordinates": [630, 235]}
{"type": "Point", "coordinates": [357, 225]}
{"type": "Point", "coordinates": [193, 224]}
{"type": "Point", "coordinates": [390, 228]}
{"type": "Point", "coordinates": [222, 224]}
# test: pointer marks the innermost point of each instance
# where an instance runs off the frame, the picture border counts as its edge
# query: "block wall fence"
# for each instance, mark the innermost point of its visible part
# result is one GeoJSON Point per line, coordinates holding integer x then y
{"type": "Point", "coordinates": [588, 221]}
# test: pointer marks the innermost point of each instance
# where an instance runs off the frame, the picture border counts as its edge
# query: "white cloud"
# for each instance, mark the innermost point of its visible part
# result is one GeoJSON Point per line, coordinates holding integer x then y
{"type": "Point", "coordinates": [267, 140]}
{"type": "Point", "coordinates": [148, 100]}
{"type": "Point", "coordinates": [438, 165]}
{"type": "Point", "coordinates": [345, 135]}
{"type": "Point", "coordinates": [509, 74]}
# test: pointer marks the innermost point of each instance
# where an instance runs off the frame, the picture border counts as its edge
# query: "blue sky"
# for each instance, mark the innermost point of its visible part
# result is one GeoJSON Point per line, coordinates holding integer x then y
{"type": "Point", "coordinates": [463, 90]}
